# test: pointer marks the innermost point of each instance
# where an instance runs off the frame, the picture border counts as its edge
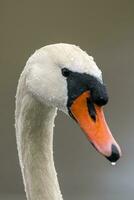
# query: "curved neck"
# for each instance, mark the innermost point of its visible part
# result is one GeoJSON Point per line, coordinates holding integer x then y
{"type": "Point", "coordinates": [34, 133]}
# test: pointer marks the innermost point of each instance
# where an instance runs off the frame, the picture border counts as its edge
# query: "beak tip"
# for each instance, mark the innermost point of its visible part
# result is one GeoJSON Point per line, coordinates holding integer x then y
{"type": "Point", "coordinates": [115, 155]}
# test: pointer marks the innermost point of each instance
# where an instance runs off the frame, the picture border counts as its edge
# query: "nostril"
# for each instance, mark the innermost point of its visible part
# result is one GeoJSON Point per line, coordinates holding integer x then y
{"type": "Point", "coordinates": [115, 155]}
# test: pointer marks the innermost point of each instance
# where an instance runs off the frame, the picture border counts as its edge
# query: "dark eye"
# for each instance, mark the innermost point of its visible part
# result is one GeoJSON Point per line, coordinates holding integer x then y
{"type": "Point", "coordinates": [65, 72]}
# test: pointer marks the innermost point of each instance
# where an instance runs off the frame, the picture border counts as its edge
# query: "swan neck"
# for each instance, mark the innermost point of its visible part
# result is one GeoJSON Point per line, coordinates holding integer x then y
{"type": "Point", "coordinates": [34, 133]}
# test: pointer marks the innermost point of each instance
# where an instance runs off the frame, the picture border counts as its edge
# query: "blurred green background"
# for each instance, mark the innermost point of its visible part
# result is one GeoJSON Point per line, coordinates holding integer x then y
{"type": "Point", "coordinates": [105, 29]}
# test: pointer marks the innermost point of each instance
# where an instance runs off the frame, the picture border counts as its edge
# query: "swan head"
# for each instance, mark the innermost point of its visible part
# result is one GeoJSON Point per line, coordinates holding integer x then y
{"type": "Point", "coordinates": [66, 77]}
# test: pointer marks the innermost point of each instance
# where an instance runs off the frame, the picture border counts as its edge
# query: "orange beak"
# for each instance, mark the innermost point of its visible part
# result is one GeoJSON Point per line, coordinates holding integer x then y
{"type": "Point", "coordinates": [95, 128]}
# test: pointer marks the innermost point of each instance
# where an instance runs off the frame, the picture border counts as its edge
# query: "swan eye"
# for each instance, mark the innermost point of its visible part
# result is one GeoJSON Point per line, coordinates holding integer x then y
{"type": "Point", "coordinates": [65, 72]}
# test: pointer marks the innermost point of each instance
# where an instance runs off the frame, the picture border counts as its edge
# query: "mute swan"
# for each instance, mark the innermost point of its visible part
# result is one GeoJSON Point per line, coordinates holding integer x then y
{"type": "Point", "coordinates": [65, 77]}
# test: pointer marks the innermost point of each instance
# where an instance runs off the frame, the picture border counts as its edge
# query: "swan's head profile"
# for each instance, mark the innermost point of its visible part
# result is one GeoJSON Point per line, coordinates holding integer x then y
{"type": "Point", "coordinates": [66, 77]}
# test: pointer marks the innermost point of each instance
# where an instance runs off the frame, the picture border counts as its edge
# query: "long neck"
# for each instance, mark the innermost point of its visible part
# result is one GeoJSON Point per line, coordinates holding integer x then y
{"type": "Point", "coordinates": [34, 133]}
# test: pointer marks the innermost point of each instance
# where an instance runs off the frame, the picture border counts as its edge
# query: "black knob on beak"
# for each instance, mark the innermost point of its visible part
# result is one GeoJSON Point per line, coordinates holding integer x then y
{"type": "Point", "coordinates": [99, 95]}
{"type": "Point", "coordinates": [101, 101]}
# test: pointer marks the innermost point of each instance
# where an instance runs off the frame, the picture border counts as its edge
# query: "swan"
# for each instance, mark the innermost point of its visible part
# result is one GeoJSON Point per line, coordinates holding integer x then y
{"type": "Point", "coordinates": [58, 76]}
